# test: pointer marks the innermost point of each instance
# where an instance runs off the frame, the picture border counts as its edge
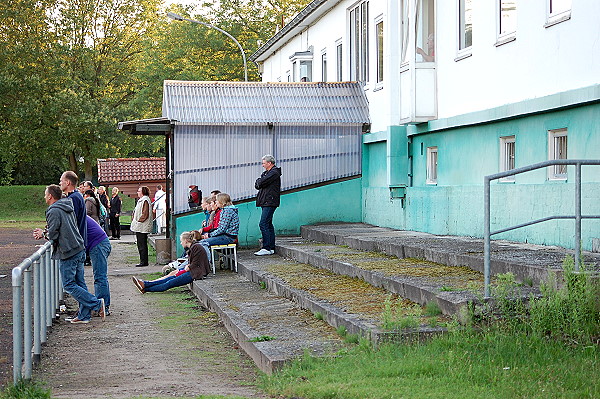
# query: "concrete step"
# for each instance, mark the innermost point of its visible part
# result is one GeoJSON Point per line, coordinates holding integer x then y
{"type": "Point", "coordinates": [342, 301]}
{"type": "Point", "coordinates": [529, 263]}
{"type": "Point", "coordinates": [250, 312]}
{"type": "Point", "coordinates": [451, 287]}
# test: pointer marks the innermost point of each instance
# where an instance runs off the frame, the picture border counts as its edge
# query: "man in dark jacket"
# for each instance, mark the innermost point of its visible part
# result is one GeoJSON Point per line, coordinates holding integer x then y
{"type": "Point", "coordinates": [69, 250]}
{"type": "Point", "coordinates": [269, 190]}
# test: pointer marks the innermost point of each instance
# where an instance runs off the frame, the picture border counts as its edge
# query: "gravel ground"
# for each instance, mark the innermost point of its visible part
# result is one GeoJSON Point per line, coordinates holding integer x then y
{"type": "Point", "coordinates": [143, 347]}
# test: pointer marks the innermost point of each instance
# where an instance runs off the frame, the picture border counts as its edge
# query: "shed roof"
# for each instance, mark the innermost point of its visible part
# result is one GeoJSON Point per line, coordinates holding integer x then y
{"type": "Point", "coordinates": [264, 102]}
{"type": "Point", "coordinates": [114, 170]}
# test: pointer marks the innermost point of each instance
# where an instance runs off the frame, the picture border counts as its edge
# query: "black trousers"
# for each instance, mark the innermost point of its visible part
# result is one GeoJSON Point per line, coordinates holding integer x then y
{"type": "Point", "coordinates": [142, 244]}
{"type": "Point", "coordinates": [115, 226]}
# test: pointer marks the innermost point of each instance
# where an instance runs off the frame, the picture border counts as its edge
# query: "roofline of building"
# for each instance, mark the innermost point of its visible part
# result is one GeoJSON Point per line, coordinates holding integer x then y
{"type": "Point", "coordinates": [303, 19]}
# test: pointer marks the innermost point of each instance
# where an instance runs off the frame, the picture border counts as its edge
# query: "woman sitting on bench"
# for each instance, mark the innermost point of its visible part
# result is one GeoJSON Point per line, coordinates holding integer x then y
{"type": "Point", "coordinates": [229, 225]}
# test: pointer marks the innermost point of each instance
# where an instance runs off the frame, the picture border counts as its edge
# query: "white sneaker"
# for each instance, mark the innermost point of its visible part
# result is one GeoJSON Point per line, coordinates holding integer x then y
{"type": "Point", "coordinates": [263, 252]}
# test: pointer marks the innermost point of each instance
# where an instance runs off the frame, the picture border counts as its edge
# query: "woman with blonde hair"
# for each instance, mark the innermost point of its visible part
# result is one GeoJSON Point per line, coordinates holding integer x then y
{"type": "Point", "coordinates": [197, 268]}
{"type": "Point", "coordinates": [229, 224]}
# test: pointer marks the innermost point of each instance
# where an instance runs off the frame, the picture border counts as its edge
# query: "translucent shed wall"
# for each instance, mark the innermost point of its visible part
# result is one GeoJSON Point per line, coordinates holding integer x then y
{"type": "Point", "coordinates": [228, 157]}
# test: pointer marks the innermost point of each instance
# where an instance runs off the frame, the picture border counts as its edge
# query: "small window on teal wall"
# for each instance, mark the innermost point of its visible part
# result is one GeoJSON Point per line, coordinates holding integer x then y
{"type": "Point", "coordinates": [507, 155]}
{"type": "Point", "coordinates": [557, 149]}
{"type": "Point", "coordinates": [432, 164]}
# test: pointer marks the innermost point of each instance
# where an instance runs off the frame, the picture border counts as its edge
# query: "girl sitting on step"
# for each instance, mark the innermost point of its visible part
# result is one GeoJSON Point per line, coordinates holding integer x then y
{"type": "Point", "coordinates": [197, 268]}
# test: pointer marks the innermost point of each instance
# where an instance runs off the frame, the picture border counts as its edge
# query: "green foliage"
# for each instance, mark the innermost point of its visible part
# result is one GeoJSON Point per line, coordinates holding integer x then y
{"type": "Point", "coordinates": [318, 316]}
{"type": "Point", "coordinates": [262, 338]}
{"type": "Point", "coordinates": [432, 309]}
{"type": "Point", "coordinates": [465, 364]}
{"type": "Point", "coordinates": [263, 285]}
{"type": "Point", "coordinates": [396, 316]}
{"type": "Point", "coordinates": [342, 331]}
{"type": "Point", "coordinates": [25, 389]}
{"type": "Point", "coordinates": [570, 312]}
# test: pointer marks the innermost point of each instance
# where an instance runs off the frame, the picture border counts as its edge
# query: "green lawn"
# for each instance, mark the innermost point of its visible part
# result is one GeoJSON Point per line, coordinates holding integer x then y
{"type": "Point", "coordinates": [24, 206]}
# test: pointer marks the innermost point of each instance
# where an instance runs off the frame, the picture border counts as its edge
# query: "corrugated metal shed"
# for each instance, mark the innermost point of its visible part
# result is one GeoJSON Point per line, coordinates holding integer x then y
{"type": "Point", "coordinates": [222, 129]}
{"type": "Point", "coordinates": [247, 103]}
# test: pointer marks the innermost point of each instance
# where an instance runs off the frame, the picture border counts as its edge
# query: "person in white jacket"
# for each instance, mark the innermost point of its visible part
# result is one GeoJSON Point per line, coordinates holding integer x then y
{"type": "Point", "coordinates": [141, 223]}
{"type": "Point", "coordinates": [159, 208]}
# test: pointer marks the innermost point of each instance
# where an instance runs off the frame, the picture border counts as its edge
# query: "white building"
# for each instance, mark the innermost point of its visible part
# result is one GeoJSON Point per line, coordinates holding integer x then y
{"type": "Point", "coordinates": [460, 89]}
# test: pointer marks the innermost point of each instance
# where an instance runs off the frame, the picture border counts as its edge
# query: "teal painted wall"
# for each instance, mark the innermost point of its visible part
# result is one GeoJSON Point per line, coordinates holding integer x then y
{"type": "Point", "coordinates": [465, 155]}
{"type": "Point", "coordinates": [338, 202]}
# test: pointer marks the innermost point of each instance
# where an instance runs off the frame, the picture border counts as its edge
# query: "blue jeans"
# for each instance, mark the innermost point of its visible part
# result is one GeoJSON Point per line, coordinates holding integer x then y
{"type": "Point", "coordinates": [217, 240]}
{"type": "Point", "coordinates": [99, 256]}
{"type": "Point", "coordinates": [266, 227]}
{"type": "Point", "coordinates": [71, 271]}
{"type": "Point", "coordinates": [166, 283]}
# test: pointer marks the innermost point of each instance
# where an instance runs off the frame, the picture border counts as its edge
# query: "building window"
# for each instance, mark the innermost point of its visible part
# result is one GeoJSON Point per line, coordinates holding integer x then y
{"type": "Point", "coordinates": [432, 157]}
{"type": "Point", "coordinates": [404, 18]}
{"type": "Point", "coordinates": [425, 31]}
{"type": "Point", "coordinates": [558, 11]}
{"type": "Point", "coordinates": [359, 42]}
{"type": "Point", "coordinates": [379, 33]}
{"type": "Point", "coordinates": [507, 156]}
{"type": "Point", "coordinates": [507, 21]}
{"type": "Point", "coordinates": [557, 149]}
{"type": "Point", "coordinates": [302, 66]}
{"type": "Point", "coordinates": [465, 24]}
{"type": "Point", "coordinates": [339, 58]}
{"type": "Point", "coordinates": [323, 66]}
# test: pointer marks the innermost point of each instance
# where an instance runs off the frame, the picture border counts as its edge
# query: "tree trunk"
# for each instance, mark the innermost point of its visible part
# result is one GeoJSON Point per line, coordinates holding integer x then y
{"type": "Point", "coordinates": [73, 162]}
{"type": "Point", "coordinates": [87, 167]}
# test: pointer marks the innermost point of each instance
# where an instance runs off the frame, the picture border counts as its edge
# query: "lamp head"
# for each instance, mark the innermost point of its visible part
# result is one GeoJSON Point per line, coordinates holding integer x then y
{"type": "Point", "coordinates": [174, 16]}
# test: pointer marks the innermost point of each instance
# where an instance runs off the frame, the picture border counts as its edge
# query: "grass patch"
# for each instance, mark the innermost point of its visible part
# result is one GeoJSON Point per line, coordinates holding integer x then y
{"type": "Point", "coordinates": [25, 389]}
{"type": "Point", "coordinates": [22, 204]}
{"type": "Point", "coordinates": [466, 365]}
{"type": "Point", "coordinates": [262, 338]}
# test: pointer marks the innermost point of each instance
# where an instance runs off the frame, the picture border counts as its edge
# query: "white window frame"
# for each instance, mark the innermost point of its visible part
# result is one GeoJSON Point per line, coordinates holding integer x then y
{"type": "Point", "coordinates": [299, 58]}
{"type": "Point", "coordinates": [554, 17]}
{"type": "Point", "coordinates": [508, 147]}
{"type": "Point", "coordinates": [558, 145]}
{"type": "Point", "coordinates": [509, 36]}
{"type": "Point", "coordinates": [339, 58]}
{"type": "Point", "coordinates": [379, 54]}
{"type": "Point", "coordinates": [359, 41]}
{"type": "Point", "coordinates": [324, 65]}
{"type": "Point", "coordinates": [463, 51]}
{"type": "Point", "coordinates": [432, 165]}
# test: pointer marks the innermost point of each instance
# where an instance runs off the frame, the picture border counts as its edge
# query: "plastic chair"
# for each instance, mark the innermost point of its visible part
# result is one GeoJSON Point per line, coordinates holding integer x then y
{"type": "Point", "coordinates": [226, 251]}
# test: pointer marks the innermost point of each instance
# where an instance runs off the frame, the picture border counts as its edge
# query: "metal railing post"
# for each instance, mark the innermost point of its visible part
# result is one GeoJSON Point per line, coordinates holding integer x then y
{"type": "Point", "coordinates": [577, 215]}
{"type": "Point", "coordinates": [17, 280]}
{"type": "Point", "coordinates": [37, 316]}
{"type": "Point", "coordinates": [48, 296]}
{"type": "Point", "coordinates": [486, 238]}
{"type": "Point", "coordinates": [27, 319]}
{"type": "Point", "coordinates": [43, 332]}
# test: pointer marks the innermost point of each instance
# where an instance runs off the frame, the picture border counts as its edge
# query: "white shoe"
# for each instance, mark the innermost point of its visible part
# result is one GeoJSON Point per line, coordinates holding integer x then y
{"type": "Point", "coordinates": [263, 252]}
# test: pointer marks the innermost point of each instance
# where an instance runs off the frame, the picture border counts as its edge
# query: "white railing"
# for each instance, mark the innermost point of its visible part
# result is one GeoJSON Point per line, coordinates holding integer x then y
{"type": "Point", "coordinates": [34, 308]}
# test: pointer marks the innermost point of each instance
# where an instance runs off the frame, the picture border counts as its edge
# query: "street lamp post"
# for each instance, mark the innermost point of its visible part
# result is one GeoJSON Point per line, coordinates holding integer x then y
{"type": "Point", "coordinates": [178, 17]}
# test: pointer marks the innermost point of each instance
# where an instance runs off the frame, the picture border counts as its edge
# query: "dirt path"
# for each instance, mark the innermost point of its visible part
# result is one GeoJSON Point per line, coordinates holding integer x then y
{"type": "Point", "coordinates": [144, 347]}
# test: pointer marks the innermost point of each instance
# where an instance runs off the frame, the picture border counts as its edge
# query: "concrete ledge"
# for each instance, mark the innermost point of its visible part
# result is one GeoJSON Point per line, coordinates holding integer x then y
{"type": "Point", "coordinates": [418, 290]}
{"type": "Point", "coordinates": [529, 263]}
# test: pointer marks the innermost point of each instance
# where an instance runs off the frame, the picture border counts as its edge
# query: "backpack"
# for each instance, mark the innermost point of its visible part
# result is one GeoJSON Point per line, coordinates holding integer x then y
{"type": "Point", "coordinates": [103, 213]}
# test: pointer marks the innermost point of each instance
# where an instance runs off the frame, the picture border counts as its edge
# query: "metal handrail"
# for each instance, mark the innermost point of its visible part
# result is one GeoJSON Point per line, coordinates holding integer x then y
{"type": "Point", "coordinates": [578, 217]}
{"type": "Point", "coordinates": [43, 302]}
